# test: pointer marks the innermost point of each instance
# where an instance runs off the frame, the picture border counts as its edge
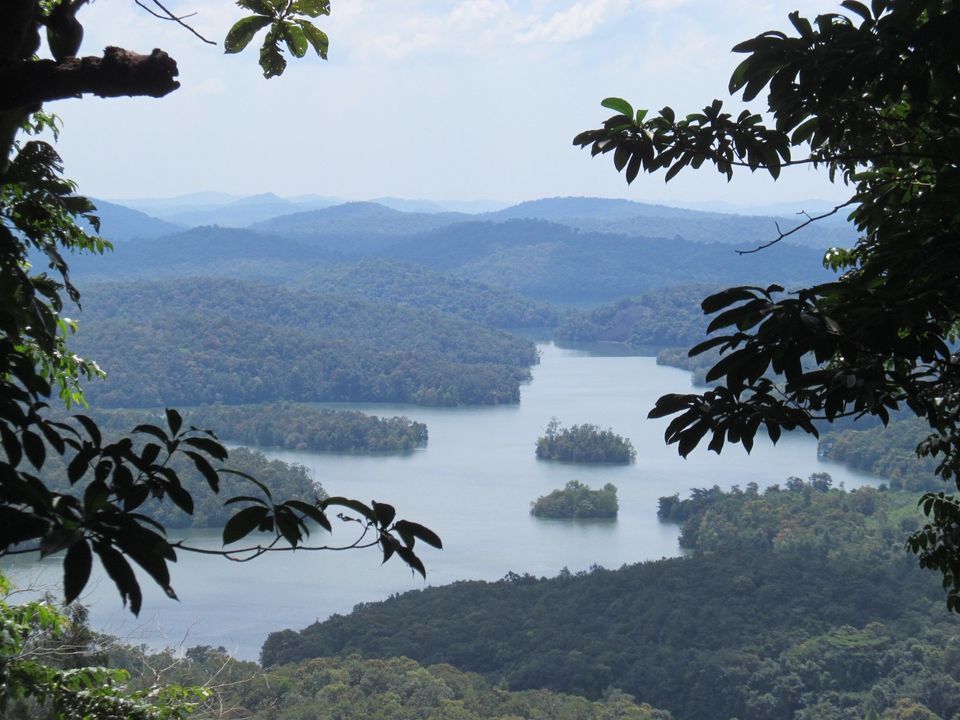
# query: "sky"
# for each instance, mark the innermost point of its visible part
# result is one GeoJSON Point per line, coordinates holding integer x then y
{"type": "Point", "coordinates": [426, 99]}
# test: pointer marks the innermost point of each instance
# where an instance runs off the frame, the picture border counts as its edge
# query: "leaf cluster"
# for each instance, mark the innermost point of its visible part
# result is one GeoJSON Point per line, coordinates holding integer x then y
{"type": "Point", "coordinates": [34, 639]}
{"type": "Point", "coordinates": [287, 22]}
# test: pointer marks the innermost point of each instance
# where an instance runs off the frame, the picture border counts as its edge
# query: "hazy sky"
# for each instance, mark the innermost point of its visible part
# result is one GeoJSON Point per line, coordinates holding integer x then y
{"type": "Point", "coordinates": [439, 99]}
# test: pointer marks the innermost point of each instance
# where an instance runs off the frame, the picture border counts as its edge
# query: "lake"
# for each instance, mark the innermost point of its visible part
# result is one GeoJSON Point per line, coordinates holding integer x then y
{"type": "Point", "coordinates": [473, 485]}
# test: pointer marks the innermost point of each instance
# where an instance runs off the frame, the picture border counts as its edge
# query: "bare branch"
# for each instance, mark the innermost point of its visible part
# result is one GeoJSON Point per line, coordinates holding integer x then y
{"type": "Point", "coordinates": [809, 221]}
{"type": "Point", "coordinates": [179, 19]}
{"type": "Point", "coordinates": [118, 73]}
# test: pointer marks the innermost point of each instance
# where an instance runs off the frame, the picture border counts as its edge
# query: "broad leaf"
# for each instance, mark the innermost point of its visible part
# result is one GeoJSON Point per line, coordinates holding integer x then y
{"type": "Point", "coordinates": [243, 31]}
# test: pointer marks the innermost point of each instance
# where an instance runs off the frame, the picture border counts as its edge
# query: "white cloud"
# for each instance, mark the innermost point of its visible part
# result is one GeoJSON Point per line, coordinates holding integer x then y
{"type": "Point", "coordinates": [572, 23]}
{"type": "Point", "coordinates": [377, 30]}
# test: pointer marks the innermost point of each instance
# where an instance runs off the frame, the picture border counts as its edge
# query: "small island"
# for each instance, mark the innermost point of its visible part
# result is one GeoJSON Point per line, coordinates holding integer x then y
{"type": "Point", "coordinates": [577, 500]}
{"type": "Point", "coordinates": [585, 444]}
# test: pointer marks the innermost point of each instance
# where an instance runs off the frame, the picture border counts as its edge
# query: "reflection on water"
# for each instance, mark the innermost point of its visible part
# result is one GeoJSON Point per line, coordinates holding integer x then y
{"type": "Point", "coordinates": [473, 485]}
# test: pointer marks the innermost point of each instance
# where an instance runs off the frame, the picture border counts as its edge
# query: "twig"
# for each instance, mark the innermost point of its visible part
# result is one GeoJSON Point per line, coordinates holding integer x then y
{"type": "Point", "coordinates": [179, 19]}
{"type": "Point", "coordinates": [256, 551]}
{"type": "Point", "coordinates": [809, 221]}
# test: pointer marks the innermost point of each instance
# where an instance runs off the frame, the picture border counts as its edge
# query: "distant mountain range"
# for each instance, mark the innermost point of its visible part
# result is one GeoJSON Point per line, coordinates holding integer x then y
{"type": "Point", "coordinates": [571, 251]}
{"type": "Point", "coordinates": [328, 216]}
{"type": "Point", "coordinates": [214, 208]}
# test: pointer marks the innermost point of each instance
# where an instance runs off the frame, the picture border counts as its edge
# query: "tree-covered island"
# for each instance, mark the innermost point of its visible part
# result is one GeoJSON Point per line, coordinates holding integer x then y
{"type": "Point", "coordinates": [584, 443]}
{"type": "Point", "coordinates": [577, 500]}
{"type": "Point", "coordinates": [292, 426]}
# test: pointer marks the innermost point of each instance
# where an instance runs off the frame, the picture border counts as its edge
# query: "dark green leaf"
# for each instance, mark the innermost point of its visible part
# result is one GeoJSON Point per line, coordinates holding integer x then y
{"type": "Point", "coordinates": [316, 37]}
{"type": "Point", "coordinates": [243, 31]}
{"type": "Point", "coordinates": [421, 532]}
{"type": "Point", "coordinates": [261, 7]}
{"type": "Point", "coordinates": [122, 575]}
{"type": "Point", "coordinates": [95, 496]}
{"type": "Point", "coordinates": [288, 526]}
{"type": "Point", "coordinates": [385, 513]}
{"type": "Point", "coordinates": [310, 511]}
{"type": "Point", "coordinates": [243, 523]}
{"type": "Point", "coordinates": [181, 498]}
{"type": "Point", "coordinates": [272, 61]}
{"type": "Point", "coordinates": [174, 421]}
{"type": "Point", "coordinates": [78, 466]}
{"type": "Point", "coordinates": [91, 427]}
{"type": "Point", "coordinates": [211, 447]}
{"type": "Point", "coordinates": [244, 498]}
{"type": "Point", "coordinates": [295, 39]}
{"type": "Point", "coordinates": [76, 570]}
{"type": "Point", "coordinates": [859, 8]}
{"type": "Point", "coordinates": [11, 445]}
{"type": "Point", "coordinates": [205, 469]}
{"type": "Point", "coordinates": [311, 8]}
{"type": "Point", "coordinates": [618, 105]}
{"type": "Point", "coordinates": [153, 430]}
{"type": "Point", "coordinates": [410, 558]}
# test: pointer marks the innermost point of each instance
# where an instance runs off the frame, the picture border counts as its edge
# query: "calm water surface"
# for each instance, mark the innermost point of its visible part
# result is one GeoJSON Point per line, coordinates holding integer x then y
{"type": "Point", "coordinates": [473, 485]}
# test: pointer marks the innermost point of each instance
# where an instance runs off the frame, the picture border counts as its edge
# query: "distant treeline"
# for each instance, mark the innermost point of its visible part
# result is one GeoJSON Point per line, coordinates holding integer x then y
{"type": "Point", "coordinates": [577, 500]}
{"type": "Point", "coordinates": [699, 365]}
{"type": "Point", "coordinates": [890, 452]}
{"type": "Point", "coordinates": [583, 443]}
{"type": "Point", "coordinates": [291, 426]}
{"type": "Point", "coordinates": [796, 602]}
{"type": "Point", "coordinates": [666, 317]}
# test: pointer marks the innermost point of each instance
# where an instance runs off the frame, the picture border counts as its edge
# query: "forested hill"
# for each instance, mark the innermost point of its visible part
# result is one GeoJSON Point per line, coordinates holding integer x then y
{"type": "Point", "coordinates": [666, 317]}
{"type": "Point", "coordinates": [888, 451]}
{"type": "Point", "coordinates": [797, 603]}
{"type": "Point", "coordinates": [626, 217]}
{"type": "Point", "coordinates": [556, 263]}
{"type": "Point", "coordinates": [119, 223]}
{"type": "Point", "coordinates": [233, 341]}
{"type": "Point", "coordinates": [203, 252]}
{"type": "Point", "coordinates": [580, 260]}
{"type": "Point", "coordinates": [403, 283]}
{"type": "Point", "coordinates": [360, 219]}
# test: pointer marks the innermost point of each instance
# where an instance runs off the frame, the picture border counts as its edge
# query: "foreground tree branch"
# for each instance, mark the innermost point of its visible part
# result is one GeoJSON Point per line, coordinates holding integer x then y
{"type": "Point", "coordinates": [118, 73]}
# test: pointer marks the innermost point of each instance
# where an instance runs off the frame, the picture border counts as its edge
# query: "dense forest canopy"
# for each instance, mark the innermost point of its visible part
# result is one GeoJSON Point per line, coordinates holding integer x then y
{"type": "Point", "coordinates": [233, 341]}
{"type": "Point", "coordinates": [796, 602]}
{"type": "Point", "coordinates": [219, 686]}
{"type": "Point", "coordinates": [890, 452]}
